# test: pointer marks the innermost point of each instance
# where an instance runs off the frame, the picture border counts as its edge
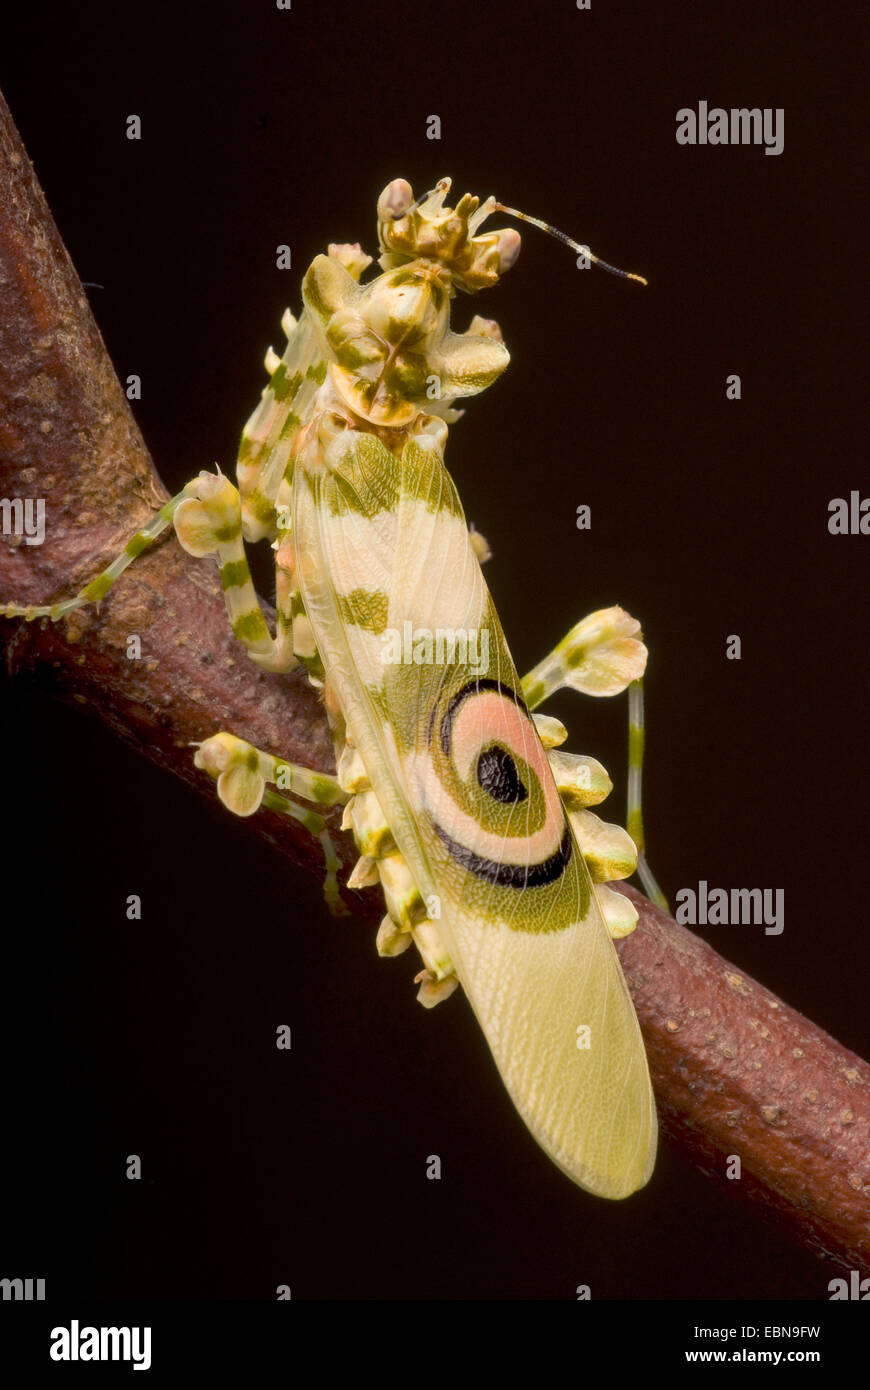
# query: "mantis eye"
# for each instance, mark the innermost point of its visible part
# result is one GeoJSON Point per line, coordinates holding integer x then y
{"type": "Point", "coordinates": [395, 200]}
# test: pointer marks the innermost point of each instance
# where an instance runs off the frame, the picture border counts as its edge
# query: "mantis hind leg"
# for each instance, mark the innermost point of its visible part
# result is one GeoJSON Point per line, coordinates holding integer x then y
{"type": "Point", "coordinates": [246, 777]}
{"type": "Point", "coordinates": [636, 737]}
{"type": "Point", "coordinates": [99, 587]}
{"type": "Point", "coordinates": [209, 522]}
{"type": "Point", "coordinates": [603, 654]}
{"type": "Point", "coordinates": [207, 516]}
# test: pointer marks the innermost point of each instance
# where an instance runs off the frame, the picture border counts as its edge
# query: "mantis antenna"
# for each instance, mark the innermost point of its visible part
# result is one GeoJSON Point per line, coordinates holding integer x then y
{"type": "Point", "coordinates": [575, 245]}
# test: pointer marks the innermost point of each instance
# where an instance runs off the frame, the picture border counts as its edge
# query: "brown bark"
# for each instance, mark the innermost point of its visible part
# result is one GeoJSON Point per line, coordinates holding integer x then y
{"type": "Point", "coordinates": [67, 434]}
{"type": "Point", "coordinates": [735, 1070]}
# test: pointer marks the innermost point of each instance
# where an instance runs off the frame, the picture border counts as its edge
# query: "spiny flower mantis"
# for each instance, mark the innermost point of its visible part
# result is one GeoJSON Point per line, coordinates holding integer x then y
{"type": "Point", "coordinates": [466, 812]}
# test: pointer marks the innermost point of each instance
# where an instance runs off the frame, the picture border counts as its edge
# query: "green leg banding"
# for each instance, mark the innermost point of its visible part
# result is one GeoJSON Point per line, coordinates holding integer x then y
{"type": "Point", "coordinates": [553, 672]}
{"type": "Point", "coordinates": [319, 787]}
{"type": "Point", "coordinates": [245, 777]}
{"type": "Point", "coordinates": [100, 586]}
{"type": "Point", "coordinates": [544, 681]}
{"type": "Point", "coordinates": [243, 771]}
{"type": "Point", "coordinates": [591, 638]}
{"type": "Point", "coordinates": [316, 826]}
{"type": "Point", "coordinates": [245, 614]}
{"type": "Point", "coordinates": [209, 522]}
{"type": "Point", "coordinates": [635, 776]}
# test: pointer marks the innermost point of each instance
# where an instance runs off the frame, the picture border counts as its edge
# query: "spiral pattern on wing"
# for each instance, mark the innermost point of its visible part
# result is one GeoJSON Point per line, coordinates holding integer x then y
{"type": "Point", "coordinates": [489, 791]}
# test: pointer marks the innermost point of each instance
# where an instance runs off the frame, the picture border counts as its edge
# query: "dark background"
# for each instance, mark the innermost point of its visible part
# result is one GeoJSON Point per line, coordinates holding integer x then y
{"type": "Point", "coordinates": [709, 518]}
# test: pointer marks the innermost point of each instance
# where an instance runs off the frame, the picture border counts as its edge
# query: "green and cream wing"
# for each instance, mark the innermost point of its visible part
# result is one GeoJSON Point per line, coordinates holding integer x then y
{"type": "Point", "coordinates": [412, 642]}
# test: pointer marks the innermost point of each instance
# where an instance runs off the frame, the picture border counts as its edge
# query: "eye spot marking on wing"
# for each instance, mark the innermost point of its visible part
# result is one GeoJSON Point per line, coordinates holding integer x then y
{"type": "Point", "coordinates": [505, 873]}
{"type": "Point", "coordinates": [488, 790]}
{"type": "Point", "coordinates": [497, 774]}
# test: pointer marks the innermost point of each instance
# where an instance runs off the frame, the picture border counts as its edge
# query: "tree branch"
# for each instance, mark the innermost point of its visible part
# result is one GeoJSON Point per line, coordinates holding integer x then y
{"type": "Point", "coordinates": [735, 1070]}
